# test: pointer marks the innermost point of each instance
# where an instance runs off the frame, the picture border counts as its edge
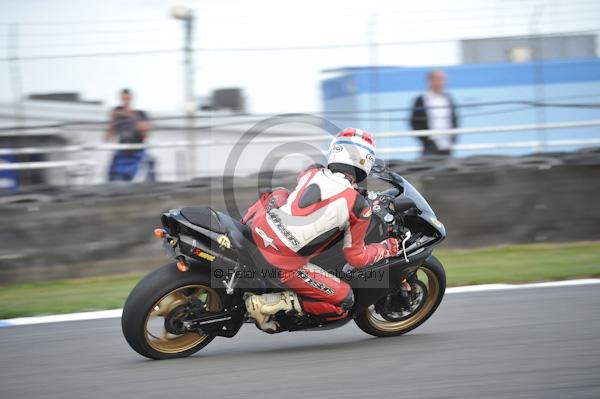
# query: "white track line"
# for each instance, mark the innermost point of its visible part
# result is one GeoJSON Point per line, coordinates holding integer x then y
{"type": "Point", "coordinates": [24, 321]}
{"type": "Point", "coordinates": [111, 314]}
{"type": "Point", "coordinates": [503, 287]}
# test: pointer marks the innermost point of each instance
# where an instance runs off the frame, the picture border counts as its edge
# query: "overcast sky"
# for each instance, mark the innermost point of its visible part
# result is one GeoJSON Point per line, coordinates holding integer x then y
{"type": "Point", "coordinates": [274, 81]}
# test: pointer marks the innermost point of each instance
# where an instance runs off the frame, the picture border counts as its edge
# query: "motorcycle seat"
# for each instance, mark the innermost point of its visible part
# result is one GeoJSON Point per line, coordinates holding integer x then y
{"type": "Point", "coordinates": [204, 216]}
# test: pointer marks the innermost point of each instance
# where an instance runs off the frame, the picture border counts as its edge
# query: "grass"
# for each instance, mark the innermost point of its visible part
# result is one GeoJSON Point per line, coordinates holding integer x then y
{"type": "Point", "coordinates": [513, 264]}
{"type": "Point", "coordinates": [521, 263]}
{"type": "Point", "coordinates": [65, 296]}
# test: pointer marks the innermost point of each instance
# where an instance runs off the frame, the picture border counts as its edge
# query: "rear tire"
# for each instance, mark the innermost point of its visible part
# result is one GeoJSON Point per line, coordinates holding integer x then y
{"type": "Point", "coordinates": [436, 287]}
{"type": "Point", "coordinates": [146, 299]}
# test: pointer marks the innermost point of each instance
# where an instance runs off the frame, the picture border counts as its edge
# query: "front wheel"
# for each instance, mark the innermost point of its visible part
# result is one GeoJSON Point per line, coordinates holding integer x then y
{"type": "Point", "coordinates": [153, 313]}
{"type": "Point", "coordinates": [428, 285]}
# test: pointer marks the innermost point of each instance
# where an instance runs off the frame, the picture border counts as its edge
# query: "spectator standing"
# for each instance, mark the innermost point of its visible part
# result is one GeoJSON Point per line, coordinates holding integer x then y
{"type": "Point", "coordinates": [435, 110]}
{"type": "Point", "coordinates": [131, 126]}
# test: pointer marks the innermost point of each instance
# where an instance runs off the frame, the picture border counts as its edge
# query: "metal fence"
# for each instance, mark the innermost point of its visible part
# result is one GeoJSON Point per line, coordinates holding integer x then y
{"type": "Point", "coordinates": [81, 163]}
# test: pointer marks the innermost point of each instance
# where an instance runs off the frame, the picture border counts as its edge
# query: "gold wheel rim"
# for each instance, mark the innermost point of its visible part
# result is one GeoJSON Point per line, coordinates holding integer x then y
{"type": "Point", "coordinates": [432, 296]}
{"type": "Point", "coordinates": [156, 334]}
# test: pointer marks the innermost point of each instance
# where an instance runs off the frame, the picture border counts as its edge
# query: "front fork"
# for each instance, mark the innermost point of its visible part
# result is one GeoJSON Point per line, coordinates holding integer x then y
{"type": "Point", "coordinates": [401, 297]}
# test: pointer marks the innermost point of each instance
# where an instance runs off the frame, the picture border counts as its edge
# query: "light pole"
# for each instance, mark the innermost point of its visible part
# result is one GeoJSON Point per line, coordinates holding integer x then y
{"type": "Point", "coordinates": [15, 73]}
{"type": "Point", "coordinates": [538, 72]}
{"type": "Point", "coordinates": [187, 16]}
{"type": "Point", "coordinates": [374, 73]}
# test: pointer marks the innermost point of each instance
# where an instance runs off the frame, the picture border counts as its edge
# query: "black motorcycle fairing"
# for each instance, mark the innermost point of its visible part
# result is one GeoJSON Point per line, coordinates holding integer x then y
{"type": "Point", "coordinates": [307, 322]}
{"type": "Point", "coordinates": [391, 192]}
{"type": "Point", "coordinates": [332, 257]}
{"type": "Point", "coordinates": [424, 209]}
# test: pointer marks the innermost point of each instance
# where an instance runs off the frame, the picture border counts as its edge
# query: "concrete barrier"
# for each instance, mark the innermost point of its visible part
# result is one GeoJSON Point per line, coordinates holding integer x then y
{"type": "Point", "coordinates": [107, 229]}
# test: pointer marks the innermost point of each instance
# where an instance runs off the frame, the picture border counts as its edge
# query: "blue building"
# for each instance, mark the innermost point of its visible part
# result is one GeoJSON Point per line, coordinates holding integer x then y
{"type": "Point", "coordinates": [349, 96]}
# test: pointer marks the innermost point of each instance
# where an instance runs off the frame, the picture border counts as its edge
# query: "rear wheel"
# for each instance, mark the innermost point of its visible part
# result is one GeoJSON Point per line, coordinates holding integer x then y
{"type": "Point", "coordinates": [428, 287]}
{"type": "Point", "coordinates": [153, 314]}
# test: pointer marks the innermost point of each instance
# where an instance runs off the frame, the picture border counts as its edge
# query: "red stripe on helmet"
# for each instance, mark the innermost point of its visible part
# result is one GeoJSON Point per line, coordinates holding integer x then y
{"type": "Point", "coordinates": [353, 132]}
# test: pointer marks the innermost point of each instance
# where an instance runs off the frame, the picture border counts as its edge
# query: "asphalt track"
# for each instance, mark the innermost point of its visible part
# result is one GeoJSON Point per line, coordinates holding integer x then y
{"type": "Point", "coordinates": [529, 343]}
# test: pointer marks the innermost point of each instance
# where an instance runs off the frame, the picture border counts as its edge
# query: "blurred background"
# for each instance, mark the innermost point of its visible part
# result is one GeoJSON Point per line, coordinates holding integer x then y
{"type": "Point", "coordinates": [113, 112]}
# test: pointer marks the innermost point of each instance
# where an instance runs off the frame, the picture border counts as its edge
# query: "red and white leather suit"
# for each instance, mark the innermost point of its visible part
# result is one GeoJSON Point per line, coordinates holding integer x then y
{"type": "Point", "coordinates": [292, 228]}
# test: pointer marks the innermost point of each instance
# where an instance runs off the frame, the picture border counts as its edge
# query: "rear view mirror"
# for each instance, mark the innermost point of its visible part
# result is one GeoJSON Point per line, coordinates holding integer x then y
{"type": "Point", "coordinates": [378, 165]}
{"type": "Point", "coordinates": [403, 204]}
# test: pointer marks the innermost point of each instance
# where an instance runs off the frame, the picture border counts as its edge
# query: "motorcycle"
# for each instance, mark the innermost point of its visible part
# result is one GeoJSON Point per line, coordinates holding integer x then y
{"type": "Point", "coordinates": [179, 308]}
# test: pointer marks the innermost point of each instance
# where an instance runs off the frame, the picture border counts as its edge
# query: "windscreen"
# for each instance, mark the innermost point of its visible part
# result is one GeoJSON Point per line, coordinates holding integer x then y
{"type": "Point", "coordinates": [411, 192]}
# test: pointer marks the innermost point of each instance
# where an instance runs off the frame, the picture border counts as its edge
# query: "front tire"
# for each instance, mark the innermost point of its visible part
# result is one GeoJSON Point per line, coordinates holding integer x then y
{"type": "Point", "coordinates": [372, 323]}
{"type": "Point", "coordinates": [159, 295]}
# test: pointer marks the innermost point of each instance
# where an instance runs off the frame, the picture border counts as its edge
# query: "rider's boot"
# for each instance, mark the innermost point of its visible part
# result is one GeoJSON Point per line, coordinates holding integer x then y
{"type": "Point", "coordinates": [262, 307]}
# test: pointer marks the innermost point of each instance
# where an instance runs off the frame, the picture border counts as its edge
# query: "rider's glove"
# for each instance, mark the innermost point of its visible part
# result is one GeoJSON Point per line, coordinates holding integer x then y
{"type": "Point", "coordinates": [392, 246]}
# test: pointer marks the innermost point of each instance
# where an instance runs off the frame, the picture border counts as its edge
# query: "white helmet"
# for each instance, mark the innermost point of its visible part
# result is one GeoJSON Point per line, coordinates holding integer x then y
{"type": "Point", "coordinates": [352, 152]}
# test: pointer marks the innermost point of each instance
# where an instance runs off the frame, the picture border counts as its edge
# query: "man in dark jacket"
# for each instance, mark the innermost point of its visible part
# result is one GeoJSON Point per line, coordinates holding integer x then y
{"type": "Point", "coordinates": [435, 110]}
{"type": "Point", "coordinates": [131, 126]}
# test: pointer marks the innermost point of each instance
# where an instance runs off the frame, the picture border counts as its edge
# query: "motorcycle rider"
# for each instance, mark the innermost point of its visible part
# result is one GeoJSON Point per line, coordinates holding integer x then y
{"type": "Point", "coordinates": [292, 228]}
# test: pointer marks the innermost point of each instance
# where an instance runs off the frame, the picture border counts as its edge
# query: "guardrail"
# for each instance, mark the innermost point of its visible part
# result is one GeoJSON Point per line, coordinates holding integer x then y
{"type": "Point", "coordinates": [314, 138]}
{"type": "Point", "coordinates": [45, 165]}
